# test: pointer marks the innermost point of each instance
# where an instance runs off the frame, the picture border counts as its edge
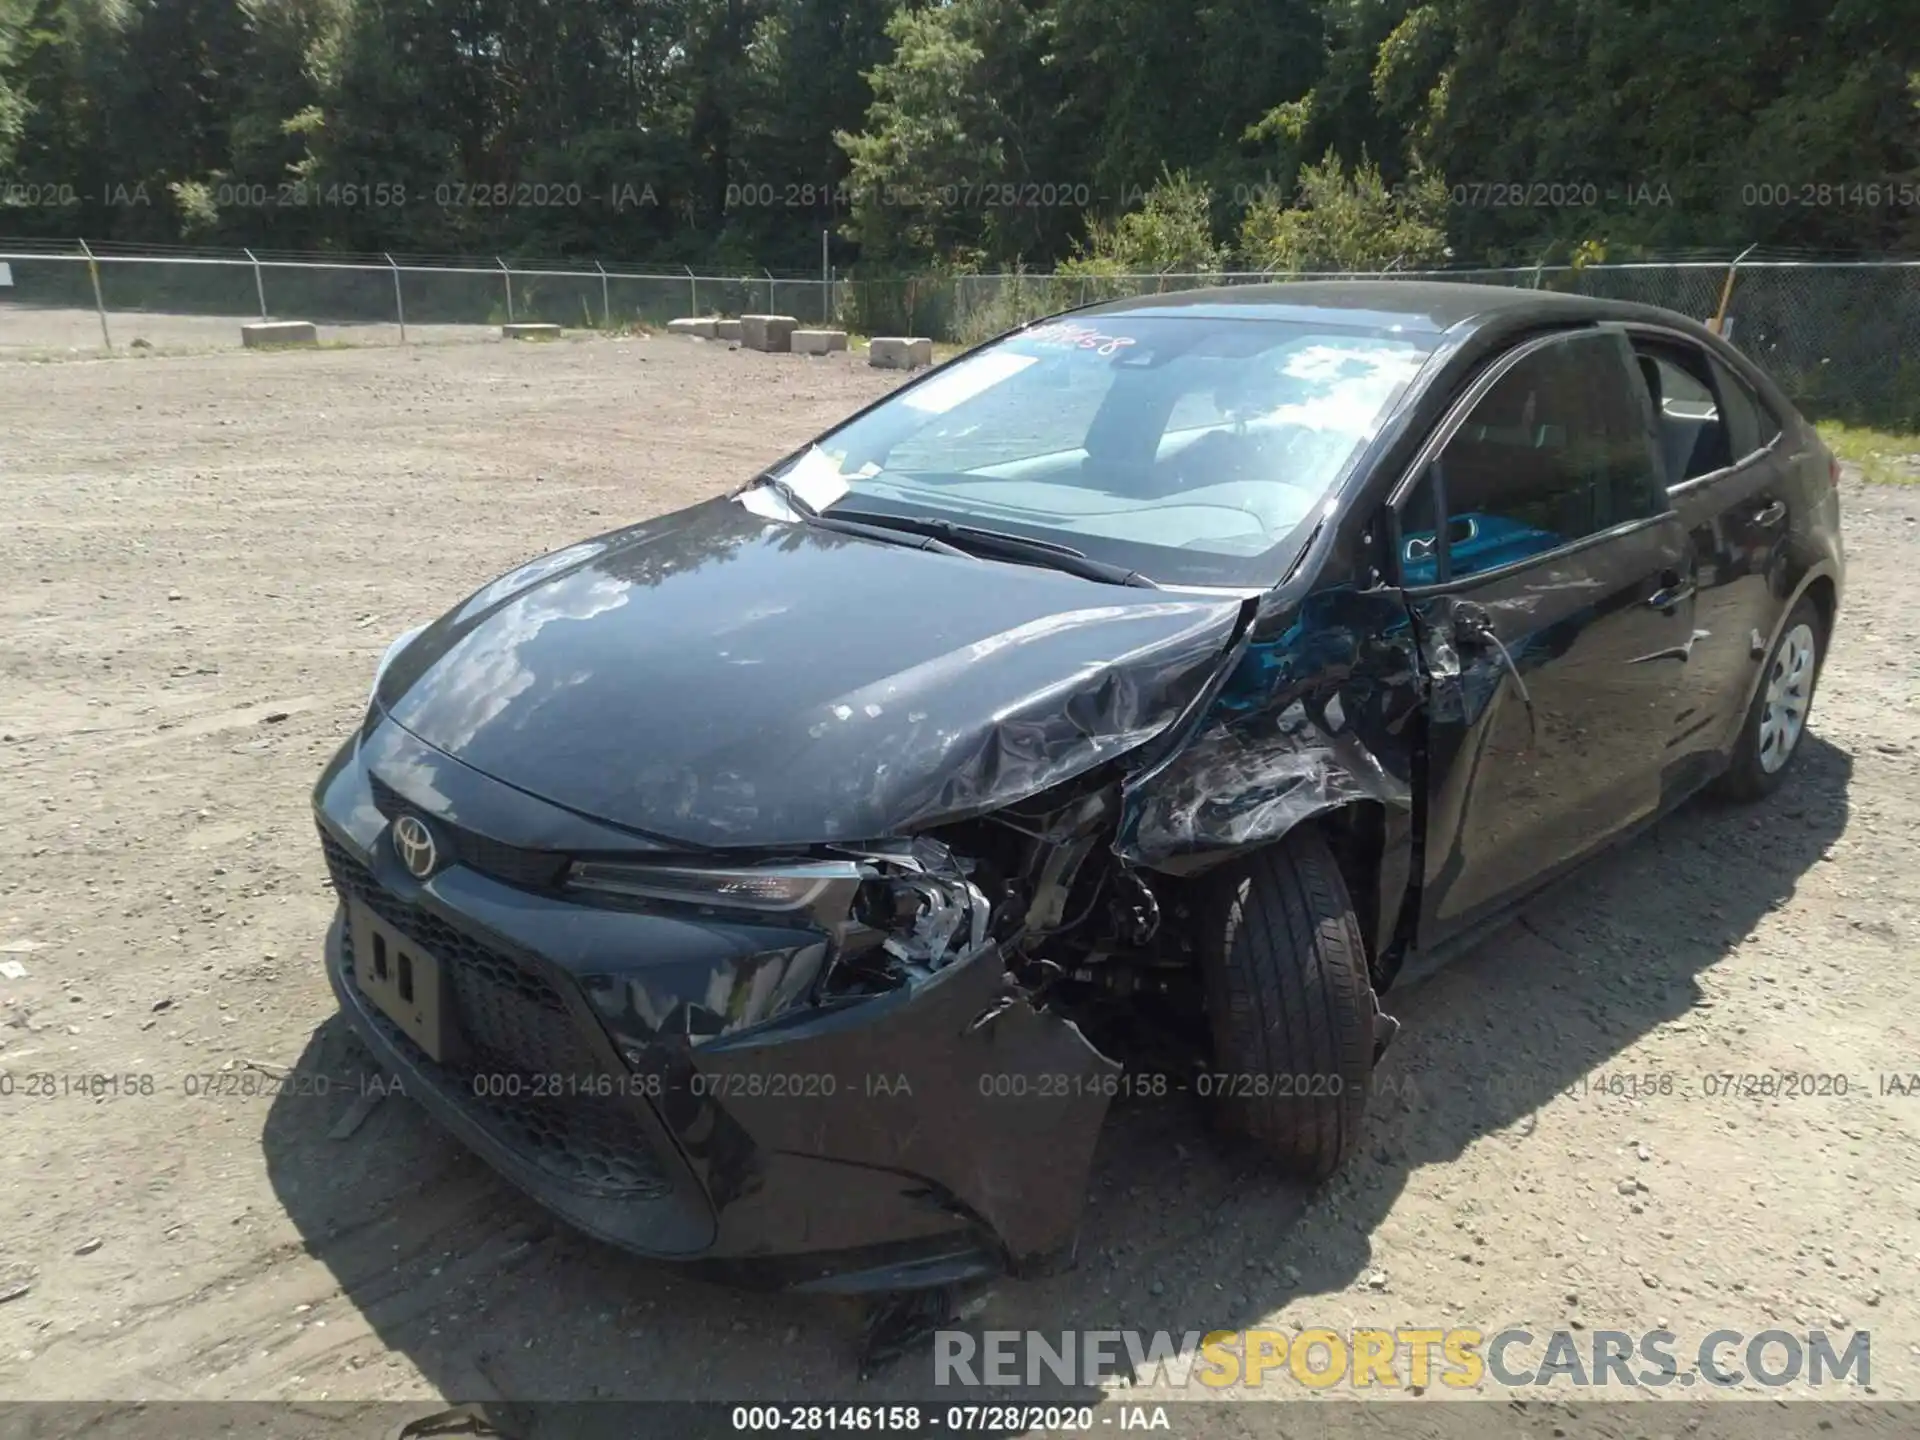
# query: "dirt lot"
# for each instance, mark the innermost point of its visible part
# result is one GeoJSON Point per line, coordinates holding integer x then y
{"type": "Point", "coordinates": [204, 555]}
{"type": "Point", "coordinates": [62, 332]}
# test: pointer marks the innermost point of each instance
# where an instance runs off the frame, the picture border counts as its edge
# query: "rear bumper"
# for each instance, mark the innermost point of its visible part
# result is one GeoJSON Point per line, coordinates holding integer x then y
{"type": "Point", "coordinates": [869, 1147]}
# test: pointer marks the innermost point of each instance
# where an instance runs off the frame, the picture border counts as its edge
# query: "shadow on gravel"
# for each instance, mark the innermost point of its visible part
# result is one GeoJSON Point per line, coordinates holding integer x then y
{"type": "Point", "coordinates": [490, 1299]}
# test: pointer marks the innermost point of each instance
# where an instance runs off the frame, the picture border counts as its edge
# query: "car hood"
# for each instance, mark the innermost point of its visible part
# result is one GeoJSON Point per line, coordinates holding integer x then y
{"type": "Point", "coordinates": [714, 678]}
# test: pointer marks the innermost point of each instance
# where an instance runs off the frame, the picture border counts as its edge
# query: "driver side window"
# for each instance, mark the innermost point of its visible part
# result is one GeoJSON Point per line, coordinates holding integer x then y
{"type": "Point", "coordinates": [1558, 449]}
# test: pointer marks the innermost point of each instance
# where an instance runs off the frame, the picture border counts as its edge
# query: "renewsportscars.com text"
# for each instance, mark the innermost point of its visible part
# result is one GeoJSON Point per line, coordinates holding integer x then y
{"type": "Point", "coordinates": [1406, 1358]}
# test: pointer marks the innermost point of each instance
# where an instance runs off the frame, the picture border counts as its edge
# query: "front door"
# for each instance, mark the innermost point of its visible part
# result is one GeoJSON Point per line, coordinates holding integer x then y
{"type": "Point", "coordinates": [1553, 589]}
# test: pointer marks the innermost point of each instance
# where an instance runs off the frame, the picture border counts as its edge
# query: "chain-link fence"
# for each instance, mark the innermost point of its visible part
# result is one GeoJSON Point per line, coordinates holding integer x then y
{"type": "Point", "coordinates": [54, 298]}
{"type": "Point", "coordinates": [1842, 337]}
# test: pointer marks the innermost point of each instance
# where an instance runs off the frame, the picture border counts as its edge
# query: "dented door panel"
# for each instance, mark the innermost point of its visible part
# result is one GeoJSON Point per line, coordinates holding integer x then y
{"type": "Point", "coordinates": [1554, 692]}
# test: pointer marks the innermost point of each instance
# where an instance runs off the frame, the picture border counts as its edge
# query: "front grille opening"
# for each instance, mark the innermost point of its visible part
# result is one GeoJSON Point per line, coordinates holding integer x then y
{"type": "Point", "coordinates": [511, 1015]}
{"type": "Point", "coordinates": [380, 957]}
{"type": "Point", "coordinates": [520, 1032]}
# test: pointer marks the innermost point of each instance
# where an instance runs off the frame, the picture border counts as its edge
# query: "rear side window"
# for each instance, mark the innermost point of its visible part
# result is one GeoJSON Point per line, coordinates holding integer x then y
{"type": "Point", "coordinates": [1559, 449]}
{"type": "Point", "coordinates": [1693, 434]}
{"type": "Point", "coordinates": [1750, 424]}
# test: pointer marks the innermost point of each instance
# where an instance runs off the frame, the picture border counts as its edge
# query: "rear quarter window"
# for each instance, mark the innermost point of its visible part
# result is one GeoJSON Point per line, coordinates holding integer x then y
{"type": "Point", "coordinates": [1751, 426]}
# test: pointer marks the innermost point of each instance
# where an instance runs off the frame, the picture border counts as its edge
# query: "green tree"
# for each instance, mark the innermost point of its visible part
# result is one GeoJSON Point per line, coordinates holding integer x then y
{"type": "Point", "coordinates": [1656, 123]}
{"type": "Point", "coordinates": [15, 17]}
{"type": "Point", "coordinates": [805, 83]}
{"type": "Point", "coordinates": [63, 70]}
{"type": "Point", "coordinates": [963, 117]}
{"type": "Point", "coordinates": [1171, 233]}
{"type": "Point", "coordinates": [1348, 220]}
{"type": "Point", "coordinates": [969, 132]}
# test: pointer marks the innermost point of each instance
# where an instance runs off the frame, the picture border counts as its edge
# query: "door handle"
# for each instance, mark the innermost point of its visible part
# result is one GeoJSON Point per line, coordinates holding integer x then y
{"type": "Point", "coordinates": [1772, 514]}
{"type": "Point", "coordinates": [1673, 592]}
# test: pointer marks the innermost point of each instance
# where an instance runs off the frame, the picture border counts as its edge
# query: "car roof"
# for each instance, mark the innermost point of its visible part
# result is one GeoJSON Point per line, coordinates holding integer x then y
{"type": "Point", "coordinates": [1426, 305]}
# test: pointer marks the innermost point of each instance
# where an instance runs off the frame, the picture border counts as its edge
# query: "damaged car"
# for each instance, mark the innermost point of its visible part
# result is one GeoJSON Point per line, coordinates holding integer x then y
{"type": "Point", "coordinates": [791, 884]}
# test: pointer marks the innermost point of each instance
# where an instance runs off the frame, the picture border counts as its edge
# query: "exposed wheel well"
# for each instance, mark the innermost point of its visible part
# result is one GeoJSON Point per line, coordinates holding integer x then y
{"type": "Point", "coordinates": [1827, 600]}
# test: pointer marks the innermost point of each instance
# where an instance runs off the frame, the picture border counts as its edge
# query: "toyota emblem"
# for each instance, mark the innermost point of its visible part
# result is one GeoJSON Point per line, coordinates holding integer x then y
{"type": "Point", "coordinates": [413, 843]}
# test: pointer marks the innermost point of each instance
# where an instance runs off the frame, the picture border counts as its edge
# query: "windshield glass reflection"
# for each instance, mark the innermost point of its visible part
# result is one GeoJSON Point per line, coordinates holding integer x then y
{"type": "Point", "coordinates": [1189, 448]}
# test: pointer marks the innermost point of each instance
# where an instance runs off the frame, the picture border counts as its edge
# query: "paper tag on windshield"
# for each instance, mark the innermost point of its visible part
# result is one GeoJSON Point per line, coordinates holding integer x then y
{"type": "Point", "coordinates": [816, 479]}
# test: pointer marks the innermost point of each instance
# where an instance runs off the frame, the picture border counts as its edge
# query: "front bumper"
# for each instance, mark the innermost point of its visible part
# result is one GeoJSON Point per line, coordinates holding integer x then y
{"type": "Point", "coordinates": [663, 1080]}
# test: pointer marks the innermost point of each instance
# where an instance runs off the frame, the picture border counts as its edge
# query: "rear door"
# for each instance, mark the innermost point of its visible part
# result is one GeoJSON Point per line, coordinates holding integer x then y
{"type": "Point", "coordinates": [1552, 587]}
{"type": "Point", "coordinates": [1729, 485]}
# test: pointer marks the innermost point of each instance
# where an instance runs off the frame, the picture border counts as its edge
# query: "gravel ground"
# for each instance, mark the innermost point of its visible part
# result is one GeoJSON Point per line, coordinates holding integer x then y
{"type": "Point", "coordinates": [206, 554]}
{"type": "Point", "coordinates": [62, 332]}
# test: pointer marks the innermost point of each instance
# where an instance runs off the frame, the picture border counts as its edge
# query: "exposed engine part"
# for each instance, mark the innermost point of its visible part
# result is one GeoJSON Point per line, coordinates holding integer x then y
{"type": "Point", "coordinates": [1136, 909]}
{"type": "Point", "coordinates": [1078, 924]}
{"type": "Point", "coordinates": [1086, 913]}
{"type": "Point", "coordinates": [919, 855]}
{"type": "Point", "coordinates": [1130, 973]}
{"type": "Point", "coordinates": [1060, 852]}
{"type": "Point", "coordinates": [946, 912]}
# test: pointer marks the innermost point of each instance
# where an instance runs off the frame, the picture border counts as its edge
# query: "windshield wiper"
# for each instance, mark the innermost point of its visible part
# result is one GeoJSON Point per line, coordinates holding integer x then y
{"type": "Point", "coordinates": [787, 493]}
{"type": "Point", "coordinates": [883, 534]}
{"type": "Point", "coordinates": [999, 544]}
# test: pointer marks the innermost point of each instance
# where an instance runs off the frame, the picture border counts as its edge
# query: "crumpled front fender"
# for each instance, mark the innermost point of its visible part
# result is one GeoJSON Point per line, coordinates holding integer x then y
{"type": "Point", "coordinates": [1317, 716]}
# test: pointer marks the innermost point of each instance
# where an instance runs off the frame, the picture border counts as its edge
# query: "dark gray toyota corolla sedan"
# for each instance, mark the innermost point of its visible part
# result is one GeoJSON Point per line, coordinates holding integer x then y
{"type": "Point", "coordinates": [793, 882]}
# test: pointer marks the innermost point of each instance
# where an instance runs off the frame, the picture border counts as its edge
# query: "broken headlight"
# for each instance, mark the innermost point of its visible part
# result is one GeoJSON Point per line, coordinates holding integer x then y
{"type": "Point", "coordinates": [775, 889]}
{"type": "Point", "coordinates": [895, 912]}
{"type": "Point", "coordinates": [916, 912]}
{"type": "Point", "coordinates": [927, 920]}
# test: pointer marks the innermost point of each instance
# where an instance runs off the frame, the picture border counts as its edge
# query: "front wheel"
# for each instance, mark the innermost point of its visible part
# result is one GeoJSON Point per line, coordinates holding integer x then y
{"type": "Point", "coordinates": [1294, 1019]}
{"type": "Point", "coordinates": [1775, 724]}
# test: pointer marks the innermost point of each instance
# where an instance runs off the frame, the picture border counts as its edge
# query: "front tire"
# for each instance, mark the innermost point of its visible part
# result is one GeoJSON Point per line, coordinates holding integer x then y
{"type": "Point", "coordinates": [1290, 1003]}
{"type": "Point", "coordinates": [1777, 721]}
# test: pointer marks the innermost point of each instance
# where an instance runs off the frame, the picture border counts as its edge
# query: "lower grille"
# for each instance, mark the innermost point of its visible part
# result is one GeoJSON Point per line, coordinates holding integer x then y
{"type": "Point", "coordinates": [590, 1144]}
{"type": "Point", "coordinates": [586, 1144]}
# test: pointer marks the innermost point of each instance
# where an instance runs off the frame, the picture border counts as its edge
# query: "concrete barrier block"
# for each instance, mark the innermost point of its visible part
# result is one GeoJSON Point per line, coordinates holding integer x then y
{"type": "Point", "coordinates": [891, 352]}
{"type": "Point", "coordinates": [266, 334]}
{"type": "Point", "coordinates": [727, 330]}
{"type": "Point", "coordinates": [529, 332]}
{"type": "Point", "coordinates": [700, 328]}
{"type": "Point", "coordinates": [772, 333]}
{"type": "Point", "coordinates": [818, 342]}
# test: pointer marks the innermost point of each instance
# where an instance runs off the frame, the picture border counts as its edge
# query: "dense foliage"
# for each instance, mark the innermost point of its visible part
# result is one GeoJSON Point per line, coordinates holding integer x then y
{"type": "Point", "coordinates": [1104, 134]}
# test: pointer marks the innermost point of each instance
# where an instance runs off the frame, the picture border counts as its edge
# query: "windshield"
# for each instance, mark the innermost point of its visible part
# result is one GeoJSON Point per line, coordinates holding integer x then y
{"type": "Point", "coordinates": [1191, 449]}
